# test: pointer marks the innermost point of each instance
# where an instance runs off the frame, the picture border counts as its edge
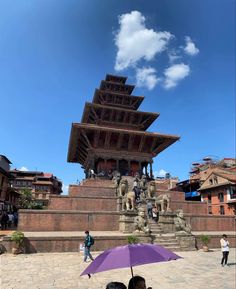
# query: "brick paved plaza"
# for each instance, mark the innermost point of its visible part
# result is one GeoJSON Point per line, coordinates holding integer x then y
{"type": "Point", "coordinates": [198, 270]}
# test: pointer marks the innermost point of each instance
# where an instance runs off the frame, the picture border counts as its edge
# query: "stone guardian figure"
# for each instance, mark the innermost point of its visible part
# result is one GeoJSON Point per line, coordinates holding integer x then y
{"type": "Point", "coordinates": [140, 222]}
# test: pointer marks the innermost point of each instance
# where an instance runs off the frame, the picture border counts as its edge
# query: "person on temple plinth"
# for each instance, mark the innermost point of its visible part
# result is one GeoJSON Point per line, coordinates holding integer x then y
{"type": "Point", "coordinates": [136, 189]}
{"type": "Point", "coordinates": [92, 174]}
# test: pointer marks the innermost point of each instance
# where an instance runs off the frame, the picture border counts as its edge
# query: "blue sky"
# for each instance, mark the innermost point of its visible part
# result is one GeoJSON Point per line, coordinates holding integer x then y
{"type": "Point", "coordinates": [53, 54]}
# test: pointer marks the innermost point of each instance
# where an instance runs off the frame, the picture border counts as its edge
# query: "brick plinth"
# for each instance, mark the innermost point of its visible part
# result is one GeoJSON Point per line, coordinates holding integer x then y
{"type": "Point", "coordinates": [83, 203]}
{"type": "Point", "coordinates": [65, 244]}
{"type": "Point", "coordinates": [192, 207]}
{"type": "Point", "coordinates": [215, 241]}
{"type": "Point", "coordinates": [55, 220]}
{"type": "Point", "coordinates": [91, 191]}
{"type": "Point", "coordinates": [211, 222]}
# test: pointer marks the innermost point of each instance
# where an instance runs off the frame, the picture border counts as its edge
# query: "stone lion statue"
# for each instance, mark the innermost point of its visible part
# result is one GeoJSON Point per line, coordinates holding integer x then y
{"type": "Point", "coordinates": [123, 187]}
{"type": "Point", "coordinates": [128, 201]}
{"type": "Point", "coordinates": [163, 202]}
{"type": "Point", "coordinates": [181, 224]}
{"type": "Point", "coordinates": [140, 222]}
{"type": "Point", "coordinates": [151, 189]}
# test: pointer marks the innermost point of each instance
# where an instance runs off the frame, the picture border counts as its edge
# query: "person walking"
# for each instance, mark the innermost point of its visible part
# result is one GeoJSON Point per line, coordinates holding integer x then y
{"type": "Point", "coordinates": [224, 243]}
{"type": "Point", "coordinates": [88, 242]}
{"type": "Point", "coordinates": [149, 209]}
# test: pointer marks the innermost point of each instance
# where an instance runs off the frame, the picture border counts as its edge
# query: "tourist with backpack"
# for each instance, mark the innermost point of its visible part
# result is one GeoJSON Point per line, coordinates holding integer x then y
{"type": "Point", "coordinates": [88, 242]}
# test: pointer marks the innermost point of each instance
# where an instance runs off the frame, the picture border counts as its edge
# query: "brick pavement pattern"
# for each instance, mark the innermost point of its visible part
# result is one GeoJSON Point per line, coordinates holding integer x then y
{"type": "Point", "coordinates": [197, 270]}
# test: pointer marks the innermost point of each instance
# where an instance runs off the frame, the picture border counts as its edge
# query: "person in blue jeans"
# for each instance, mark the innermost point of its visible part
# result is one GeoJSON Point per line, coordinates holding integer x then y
{"type": "Point", "coordinates": [87, 244]}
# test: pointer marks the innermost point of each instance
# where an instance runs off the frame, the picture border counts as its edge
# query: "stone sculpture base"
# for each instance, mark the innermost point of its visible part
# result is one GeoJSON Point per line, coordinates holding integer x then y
{"type": "Point", "coordinates": [186, 241]}
{"type": "Point", "coordinates": [126, 222]}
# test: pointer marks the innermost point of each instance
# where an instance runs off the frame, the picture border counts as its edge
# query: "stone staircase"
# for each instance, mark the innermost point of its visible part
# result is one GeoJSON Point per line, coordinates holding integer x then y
{"type": "Point", "coordinates": [168, 241]}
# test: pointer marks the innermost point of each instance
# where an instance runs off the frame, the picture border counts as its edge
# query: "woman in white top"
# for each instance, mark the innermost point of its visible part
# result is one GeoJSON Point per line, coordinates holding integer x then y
{"type": "Point", "coordinates": [225, 249]}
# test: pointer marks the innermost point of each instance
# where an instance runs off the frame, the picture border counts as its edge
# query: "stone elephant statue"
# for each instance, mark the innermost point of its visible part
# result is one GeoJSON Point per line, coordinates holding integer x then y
{"type": "Point", "coordinates": [128, 201]}
{"type": "Point", "coordinates": [163, 202]}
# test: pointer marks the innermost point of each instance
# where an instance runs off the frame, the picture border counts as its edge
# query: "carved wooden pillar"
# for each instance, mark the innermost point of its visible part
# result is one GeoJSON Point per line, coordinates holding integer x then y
{"type": "Point", "coordinates": [117, 165]}
{"type": "Point", "coordinates": [151, 174]}
{"type": "Point", "coordinates": [145, 166]}
{"type": "Point", "coordinates": [105, 164]}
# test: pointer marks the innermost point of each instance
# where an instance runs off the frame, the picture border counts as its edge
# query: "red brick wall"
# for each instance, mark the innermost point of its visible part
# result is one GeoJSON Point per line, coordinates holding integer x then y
{"type": "Point", "coordinates": [84, 191]}
{"type": "Point", "coordinates": [83, 203]}
{"type": "Point", "coordinates": [211, 223]}
{"type": "Point", "coordinates": [32, 220]}
{"type": "Point", "coordinates": [189, 207]}
{"type": "Point", "coordinates": [215, 202]}
{"type": "Point", "coordinates": [215, 241]}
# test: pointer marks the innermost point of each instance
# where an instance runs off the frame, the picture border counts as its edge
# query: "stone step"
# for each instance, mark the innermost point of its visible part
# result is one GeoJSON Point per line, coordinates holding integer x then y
{"type": "Point", "coordinates": [157, 239]}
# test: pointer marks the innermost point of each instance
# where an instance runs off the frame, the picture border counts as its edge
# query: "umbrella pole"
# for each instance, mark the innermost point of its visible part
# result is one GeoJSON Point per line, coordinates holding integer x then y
{"type": "Point", "coordinates": [132, 273]}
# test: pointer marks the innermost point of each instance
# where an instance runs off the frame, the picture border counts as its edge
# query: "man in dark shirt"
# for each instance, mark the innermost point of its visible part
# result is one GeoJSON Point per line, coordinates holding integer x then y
{"type": "Point", "coordinates": [87, 245]}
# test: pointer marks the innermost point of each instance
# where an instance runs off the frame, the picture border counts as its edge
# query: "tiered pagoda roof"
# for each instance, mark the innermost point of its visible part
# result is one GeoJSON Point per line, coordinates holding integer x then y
{"type": "Point", "coordinates": [112, 127]}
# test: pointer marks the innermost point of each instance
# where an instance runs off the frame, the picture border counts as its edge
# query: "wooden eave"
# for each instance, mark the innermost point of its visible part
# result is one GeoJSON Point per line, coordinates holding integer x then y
{"type": "Point", "coordinates": [116, 87]}
{"type": "Point", "coordinates": [119, 79]}
{"type": "Point", "coordinates": [117, 99]}
{"type": "Point", "coordinates": [137, 120]}
{"type": "Point", "coordinates": [84, 138]}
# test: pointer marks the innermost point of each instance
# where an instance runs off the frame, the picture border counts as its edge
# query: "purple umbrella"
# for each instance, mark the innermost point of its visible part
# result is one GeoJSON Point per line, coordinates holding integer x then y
{"type": "Point", "coordinates": [129, 256]}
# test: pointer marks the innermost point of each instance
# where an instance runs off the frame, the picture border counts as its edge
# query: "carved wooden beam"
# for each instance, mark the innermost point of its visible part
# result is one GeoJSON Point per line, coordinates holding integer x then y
{"type": "Point", "coordinates": [130, 143]}
{"type": "Point", "coordinates": [142, 143]}
{"type": "Point", "coordinates": [107, 140]}
{"type": "Point", "coordinates": [96, 138]}
{"type": "Point", "coordinates": [119, 142]}
{"type": "Point", "coordinates": [86, 139]}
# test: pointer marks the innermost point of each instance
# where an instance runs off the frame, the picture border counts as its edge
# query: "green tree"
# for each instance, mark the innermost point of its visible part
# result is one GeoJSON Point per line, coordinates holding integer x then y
{"type": "Point", "coordinates": [26, 199]}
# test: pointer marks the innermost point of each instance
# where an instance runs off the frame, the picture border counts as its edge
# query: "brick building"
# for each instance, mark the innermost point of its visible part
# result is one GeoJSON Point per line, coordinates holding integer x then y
{"type": "Point", "coordinates": [41, 184]}
{"type": "Point", "coordinates": [216, 182]}
{"type": "Point", "coordinates": [8, 196]}
{"type": "Point", "coordinates": [219, 191]}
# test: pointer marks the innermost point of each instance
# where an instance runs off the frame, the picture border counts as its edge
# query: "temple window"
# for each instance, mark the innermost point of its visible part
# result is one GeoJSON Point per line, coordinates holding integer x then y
{"type": "Point", "coordinates": [222, 210]}
{"type": "Point", "coordinates": [232, 192]}
{"type": "Point", "coordinates": [215, 180]}
{"type": "Point", "coordinates": [211, 181]}
{"type": "Point", "coordinates": [210, 210]}
{"type": "Point", "coordinates": [221, 197]}
{"type": "Point", "coordinates": [209, 198]}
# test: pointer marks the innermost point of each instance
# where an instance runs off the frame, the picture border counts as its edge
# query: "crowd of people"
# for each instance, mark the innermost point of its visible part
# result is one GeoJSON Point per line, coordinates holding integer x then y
{"type": "Point", "coordinates": [8, 220]}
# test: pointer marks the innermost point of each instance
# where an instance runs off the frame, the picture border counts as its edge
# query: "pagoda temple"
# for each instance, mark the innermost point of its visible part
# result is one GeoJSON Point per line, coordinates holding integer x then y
{"type": "Point", "coordinates": [112, 134]}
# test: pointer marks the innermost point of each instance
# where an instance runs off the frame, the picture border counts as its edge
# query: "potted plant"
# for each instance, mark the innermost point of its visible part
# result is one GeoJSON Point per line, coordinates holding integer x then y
{"type": "Point", "coordinates": [18, 242]}
{"type": "Point", "coordinates": [132, 239]}
{"type": "Point", "coordinates": [205, 239]}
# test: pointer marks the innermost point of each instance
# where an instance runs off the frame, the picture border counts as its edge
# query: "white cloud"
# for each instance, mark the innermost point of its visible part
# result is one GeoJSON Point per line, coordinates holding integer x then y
{"type": "Point", "coordinates": [135, 42]}
{"type": "Point", "coordinates": [65, 189]}
{"type": "Point", "coordinates": [23, 169]}
{"type": "Point", "coordinates": [146, 77]}
{"type": "Point", "coordinates": [190, 47]}
{"type": "Point", "coordinates": [161, 173]}
{"type": "Point", "coordinates": [173, 56]}
{"type": "Point", "coordinates": [174, 74]}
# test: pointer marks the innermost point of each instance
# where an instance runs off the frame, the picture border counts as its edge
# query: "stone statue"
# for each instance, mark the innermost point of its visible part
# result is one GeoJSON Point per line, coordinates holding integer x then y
{"type": "Point", "coordinates": [151, 189]}
{"type": "Point", "coordinates": [128, 201]}
{"type": "Point", "coordinates": [140, 222]}
{"type": "Point", "coordinates": [123, 187]}
{"type": "Point", "coordinates": [143, 187]}
{"type": "Point", "coordinates": [163, 202]}
{"type": "Point", "coordinates": [116, 179]}
{"type": "Point", "coordinates": [181, 224]}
